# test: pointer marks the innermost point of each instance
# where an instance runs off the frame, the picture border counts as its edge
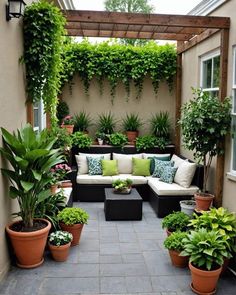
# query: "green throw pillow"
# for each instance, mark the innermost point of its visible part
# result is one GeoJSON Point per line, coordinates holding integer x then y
{"type": "Point", "coordinates": [141, 167]}
{"type": "Point", "coordinates": [109, 167]}
{"type": "Point", "coordinates": [168, 174]}
{"type": "Point", "coordinates": [159, 166]}
{"type": "Point", "coordinates": [94, 165]}
{"type": "Point", "coordinates": [152, 166]}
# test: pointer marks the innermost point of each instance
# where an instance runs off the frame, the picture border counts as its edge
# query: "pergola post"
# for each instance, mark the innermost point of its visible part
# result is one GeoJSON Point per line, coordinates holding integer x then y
{"type": "Point", "coordinates": [178, 99]}
{"type": "Point", "coordinates": [224, 46]}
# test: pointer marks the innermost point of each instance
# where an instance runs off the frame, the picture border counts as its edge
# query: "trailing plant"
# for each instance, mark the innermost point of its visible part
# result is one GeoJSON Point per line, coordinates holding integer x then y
{"type": "Point", "coordinates": [118, 139]}
{"type": "Point", "coordinates": [205, 121]}
{"type": "Point", "coordinates": [117, 62]}
{"type": "Point", "coordinates": [62, 111]}
{"type": "Point", "coordinates": [43, 44]}
{"type": "Point", "coordinates": [31, 157]}
{"type": "Point", "coordinates": [59, 238]}
{"type": "Point", "coordinates": [175, 241]}
{"type": "Point", "coordinates": [131, 122]}
{"type": "Point", "coordinates": [81, 140]}
{"type": "Point", "coordinates": [73, 215]}
{"type": "Point", "coordinates": [106, 123]}
{"type": "Point", "coordinates": [160, 125]}
{"type": "Point", "coordinates": [145, 142]}
{"type": "Point", "coordinates": [176, 221]}
{"type": "Point", "coordinates": [206, 249]}
{"type": "Point", "coordinates": [82, 121]}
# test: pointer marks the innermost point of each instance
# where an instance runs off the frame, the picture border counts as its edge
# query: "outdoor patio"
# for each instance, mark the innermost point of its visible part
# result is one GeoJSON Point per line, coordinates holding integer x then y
{"type": "Point", "coordinates": [114, 257]}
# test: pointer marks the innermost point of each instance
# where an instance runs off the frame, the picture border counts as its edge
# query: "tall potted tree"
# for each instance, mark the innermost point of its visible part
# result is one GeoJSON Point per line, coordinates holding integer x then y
{"type": "Point", "coordinates": [31, 156]}
{"type": "Point", "coordinates": [205, 121]}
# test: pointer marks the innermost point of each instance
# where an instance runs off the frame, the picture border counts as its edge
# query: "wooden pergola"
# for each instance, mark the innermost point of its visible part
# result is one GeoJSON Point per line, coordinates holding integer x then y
{"type": "Point", "coordinates": [187, 30]}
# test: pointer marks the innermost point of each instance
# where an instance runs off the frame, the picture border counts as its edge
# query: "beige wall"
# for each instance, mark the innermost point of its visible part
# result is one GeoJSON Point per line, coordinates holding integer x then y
{"type": "Point", "coordinates": [96, 104]}
{"type": "Point", "coordinates": [191, 75]}
{"type": "Point", "coordinates": [12, 109]}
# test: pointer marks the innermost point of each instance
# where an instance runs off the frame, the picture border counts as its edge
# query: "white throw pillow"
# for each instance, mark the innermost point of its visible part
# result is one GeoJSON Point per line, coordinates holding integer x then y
{"type": "Point", "coordinates": [177, 160]}
{"type": "Point", "coordinates": [145, 155]}
{"type": "Point", "coordinates": [124, 162]}
{"type": "Point", "coordinates": [184, 174]}
{"type": "Point", "coordinates": [81, 160]}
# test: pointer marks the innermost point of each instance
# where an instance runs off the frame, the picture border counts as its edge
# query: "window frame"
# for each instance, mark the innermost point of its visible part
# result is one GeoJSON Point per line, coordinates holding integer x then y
{"type": "Point", "coordinates": [42, 118]}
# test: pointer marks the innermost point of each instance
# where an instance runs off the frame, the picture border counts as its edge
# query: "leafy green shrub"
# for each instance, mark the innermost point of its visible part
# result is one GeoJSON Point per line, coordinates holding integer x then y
{"type": "Point", "coordinates": [81, 140]}
{"type": "Point", "coordinates": [62, 111]}
{"type": "Point", "coordinates": [206, 249]}
{"type": "Point", "coordinates": [160, 125]}
{"type": "Point", "coordinates": [145, 142]}
{"type": "Point", "coordinates": [63, 140]}
{"type": "Point", "coordinates": [176, 221]}
{"type": "Point", "coordinates": [106, 123]}
{"type": "Point", "coordinates": [82, 121]}
{"type": "Point", "coordinates": [73, 215]}
{"type": "Point", "coordinates": [131, 122]}
{"type": "Point", "coordinates": [118, 139]}
{"type": "Point", "coordinates": [175, 241]}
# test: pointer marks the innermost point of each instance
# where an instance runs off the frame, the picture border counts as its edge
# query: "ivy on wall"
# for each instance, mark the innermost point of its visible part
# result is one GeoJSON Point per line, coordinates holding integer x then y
{"type": "Point", "coordinates": [43, 44]}
{"type": "Point", "coordinates": [119, 63]}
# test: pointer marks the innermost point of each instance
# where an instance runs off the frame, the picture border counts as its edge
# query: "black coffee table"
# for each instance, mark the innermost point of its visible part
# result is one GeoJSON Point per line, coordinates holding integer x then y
{"type": "Point", "coordinates": [122, 207]}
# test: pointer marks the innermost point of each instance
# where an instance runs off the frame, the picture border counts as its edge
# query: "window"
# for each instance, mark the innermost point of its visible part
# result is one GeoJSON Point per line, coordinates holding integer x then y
{"type": "Point", "coordinates": [233, 163]}
{"type": "Point", "coordinates": [210, 73]}
{"type": "Point", "coordinates": [39, 116]}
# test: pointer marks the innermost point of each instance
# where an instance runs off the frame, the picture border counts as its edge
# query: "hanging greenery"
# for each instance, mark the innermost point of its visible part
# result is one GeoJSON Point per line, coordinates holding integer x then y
{"type": "Point", "coordinates": [119, 63]}
{"type": "Point", "coordinates": [43, 44]}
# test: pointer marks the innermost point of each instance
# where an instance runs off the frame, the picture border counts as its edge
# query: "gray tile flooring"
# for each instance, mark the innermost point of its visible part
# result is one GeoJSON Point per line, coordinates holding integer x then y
{"type": "Point", "coordinates": [114, 257]}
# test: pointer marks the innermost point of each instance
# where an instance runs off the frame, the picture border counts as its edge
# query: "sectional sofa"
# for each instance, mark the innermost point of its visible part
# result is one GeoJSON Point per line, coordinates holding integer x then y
{"type": "Point", "coordinates": [163, 197]}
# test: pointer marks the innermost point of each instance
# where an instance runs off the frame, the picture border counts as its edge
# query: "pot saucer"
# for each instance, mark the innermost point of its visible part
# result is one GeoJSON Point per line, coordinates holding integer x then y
{"type": "Point", "coordinates": [201, 293]}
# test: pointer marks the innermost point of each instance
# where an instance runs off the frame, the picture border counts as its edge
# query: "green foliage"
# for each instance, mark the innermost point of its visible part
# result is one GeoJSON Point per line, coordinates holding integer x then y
{"type": "Point", "coordinates": [140, 6]}
{"type": "Point", "coordinates": [131, 122]}
{"type": "Point", "coordinates": [100, 135]}
{"type": "Point", "coordinates": [175, 241]}
{"type": "Point", "coordinates": [62, 111]}
{"type": "Point", "coordinates": [81, 140]}
{"type": "Point", "coordinates": [217, 219]}
{"type": "Point", "coordinates": [73, 215]}
{"type": "Point", "coordinates": [50, 207]}
{"type": "Point", "coordinates": [206, 249]}
{"type": "Point", "coordinates": [122, 184]}
{"type": "Point", "coordinates": [145, 142]}
{"type": "Point", "coordinates": [31, 157]}
{"type": "Point", "coordinates": [176, 221]}
{"type": "Point", "coordinates": [160, 125]}
{"type": "Point", "coordinates": [106, 123]}
{"type": "Point", "coordinates": [119, 63]}
{"type": "Point", "coordinates": [59, 238]}
{"type": "Point", "coordinates": [63, 140]}
{"type": "Point", "coordinates": [205, 121]}
{"type": "Point", "coordinates": [82, 121]}
{"type": "Point", "coordinates": [118, 139]}
{"type": "Point", "coordinates": [43, 40]}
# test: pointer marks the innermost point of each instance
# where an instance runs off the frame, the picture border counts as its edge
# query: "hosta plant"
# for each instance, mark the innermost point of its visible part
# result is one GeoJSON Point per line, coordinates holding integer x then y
{"type": "Point", "coordinates": [73, 215]}
{"type": "Point", "coordinates": [176, 221]}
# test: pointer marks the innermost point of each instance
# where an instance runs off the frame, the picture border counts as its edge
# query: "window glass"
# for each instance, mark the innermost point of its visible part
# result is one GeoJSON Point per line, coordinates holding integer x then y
{"type": "Point", "coordinates": [207, 68]}
{"type": "Point", "coordinates": [216, 71]}
{"type": "Point", "coordinates": [234, 142]}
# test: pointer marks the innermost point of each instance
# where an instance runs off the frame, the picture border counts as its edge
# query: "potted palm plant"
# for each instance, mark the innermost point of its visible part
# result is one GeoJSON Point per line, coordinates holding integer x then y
{"type": "Point", "coordinates": [205, 121]}
{"type": "Point", "coordinates": [82, 121]}
{"type": "Point", "coordinates": [106, 123]}
{"type": "Point", "coordinates": [160, 125]}
{"type": "Point", "coordinates": [31, 156]}
{"type": "Point", "coordinates": [131, 124]}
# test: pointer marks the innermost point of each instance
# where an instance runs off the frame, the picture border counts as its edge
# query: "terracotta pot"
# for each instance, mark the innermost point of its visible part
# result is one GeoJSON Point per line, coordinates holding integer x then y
{"type": "Point", "coordinates": [203, 201]}
{"type": "Point", "coordinates": [75, 230]}
{"type": "Point", "coordinates": [29, 246]}
{"type": "Point", "coordinates": [54, 188]}
{"type": "Point", "coordinates": [177, 260]}
{"type": "Point", "coordinates": [69, 128]}
{"type": "Point", "coordinates": [132, 135]}
{"type": "Point", "coordinates": [59, 253]}
{"type": "Point", "coordinates": [204, 281]}
{"type": "Point", "coordinates": [64, 184]}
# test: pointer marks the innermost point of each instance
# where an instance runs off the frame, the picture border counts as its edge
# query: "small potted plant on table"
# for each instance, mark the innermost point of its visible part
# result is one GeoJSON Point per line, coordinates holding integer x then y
{"type": "Point", "coordinates": [131, 124]}
{"type": "Point", "coordinates": [59, 244]}
{"type": "Point", "coordinates": [122, 186]}
{"type": "Point", "coordinates": [100, 137]}
{"type": "Point", "coordinates": [176, 221]}
{"type": "Point", "coordinates": [73, 220]}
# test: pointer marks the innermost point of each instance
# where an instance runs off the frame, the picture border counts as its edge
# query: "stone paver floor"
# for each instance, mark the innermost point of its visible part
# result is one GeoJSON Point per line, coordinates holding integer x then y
{"type": "Point", "coordinates": [114, 257]}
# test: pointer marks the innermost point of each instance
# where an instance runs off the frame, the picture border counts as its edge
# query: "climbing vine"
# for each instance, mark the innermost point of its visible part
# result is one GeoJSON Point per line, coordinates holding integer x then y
{"type": "Point", "coordinates": [119, 63]}
{"type": "Point", "coordinates": [43, 44]}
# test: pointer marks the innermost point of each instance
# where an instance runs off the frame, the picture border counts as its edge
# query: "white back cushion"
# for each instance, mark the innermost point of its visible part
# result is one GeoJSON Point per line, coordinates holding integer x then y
{"type": "Point", "coordinates": [177, 160]}
{"type": "Point", "coordinates": [81, 160]}
{"type": "Point", "coordinates": [145, 155]}
{"type": "Point", "coordinates": [184, 174]}
{"type": "Point", "coordinates": [125, 162]}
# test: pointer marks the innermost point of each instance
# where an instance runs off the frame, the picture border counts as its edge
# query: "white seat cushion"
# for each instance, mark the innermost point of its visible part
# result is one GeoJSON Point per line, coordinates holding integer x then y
{"type": "Point", "coordinates": [93, 179]}
{"type": "Point", "coordinates": [66, 192]}
{"type": "Point", "coordinates": [173, 189]}
{"type": "Point", "coordinates": [81, 160]}
{"type": "Point", "coordinates": [124, 162]}
{"type": "Point", "coordinates": [177, 161]}
{"type": "Point", "coordinates": [134, 178]}
{"type": "Point", "coordinates": [184, 174]}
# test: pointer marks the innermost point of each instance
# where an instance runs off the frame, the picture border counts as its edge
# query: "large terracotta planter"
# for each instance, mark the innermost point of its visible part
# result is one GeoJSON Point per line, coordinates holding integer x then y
{"type": "Point", "coordinates": [132, 135]}
{"type": "Point", "coordinates": [203, 281]}
{"type": "Point", "coordinates": [29, 246]}
{"type": "Point", "coordinates": [203, 201]}
{"type": "Point", "coordinates": [177, 260]}
{"type": "Point", "coordinates": [69, 128]}
{"type": "Point", "coordinates": [59, 253]}
{"type": "Point", "coordinates": [75, 230]}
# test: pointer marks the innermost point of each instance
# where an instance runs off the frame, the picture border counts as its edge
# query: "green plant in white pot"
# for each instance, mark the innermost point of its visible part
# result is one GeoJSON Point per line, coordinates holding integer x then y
{"type": "Point", "coordinates": [31, 156]}
{"type": "Point", "coordinates": [205, 121]}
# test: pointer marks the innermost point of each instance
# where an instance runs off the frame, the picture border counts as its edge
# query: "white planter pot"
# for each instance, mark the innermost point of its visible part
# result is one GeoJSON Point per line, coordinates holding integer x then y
{"type": "Point", "coordinates": [188, 206]}
{"type": "Point", "coordinates": [100, 141]}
